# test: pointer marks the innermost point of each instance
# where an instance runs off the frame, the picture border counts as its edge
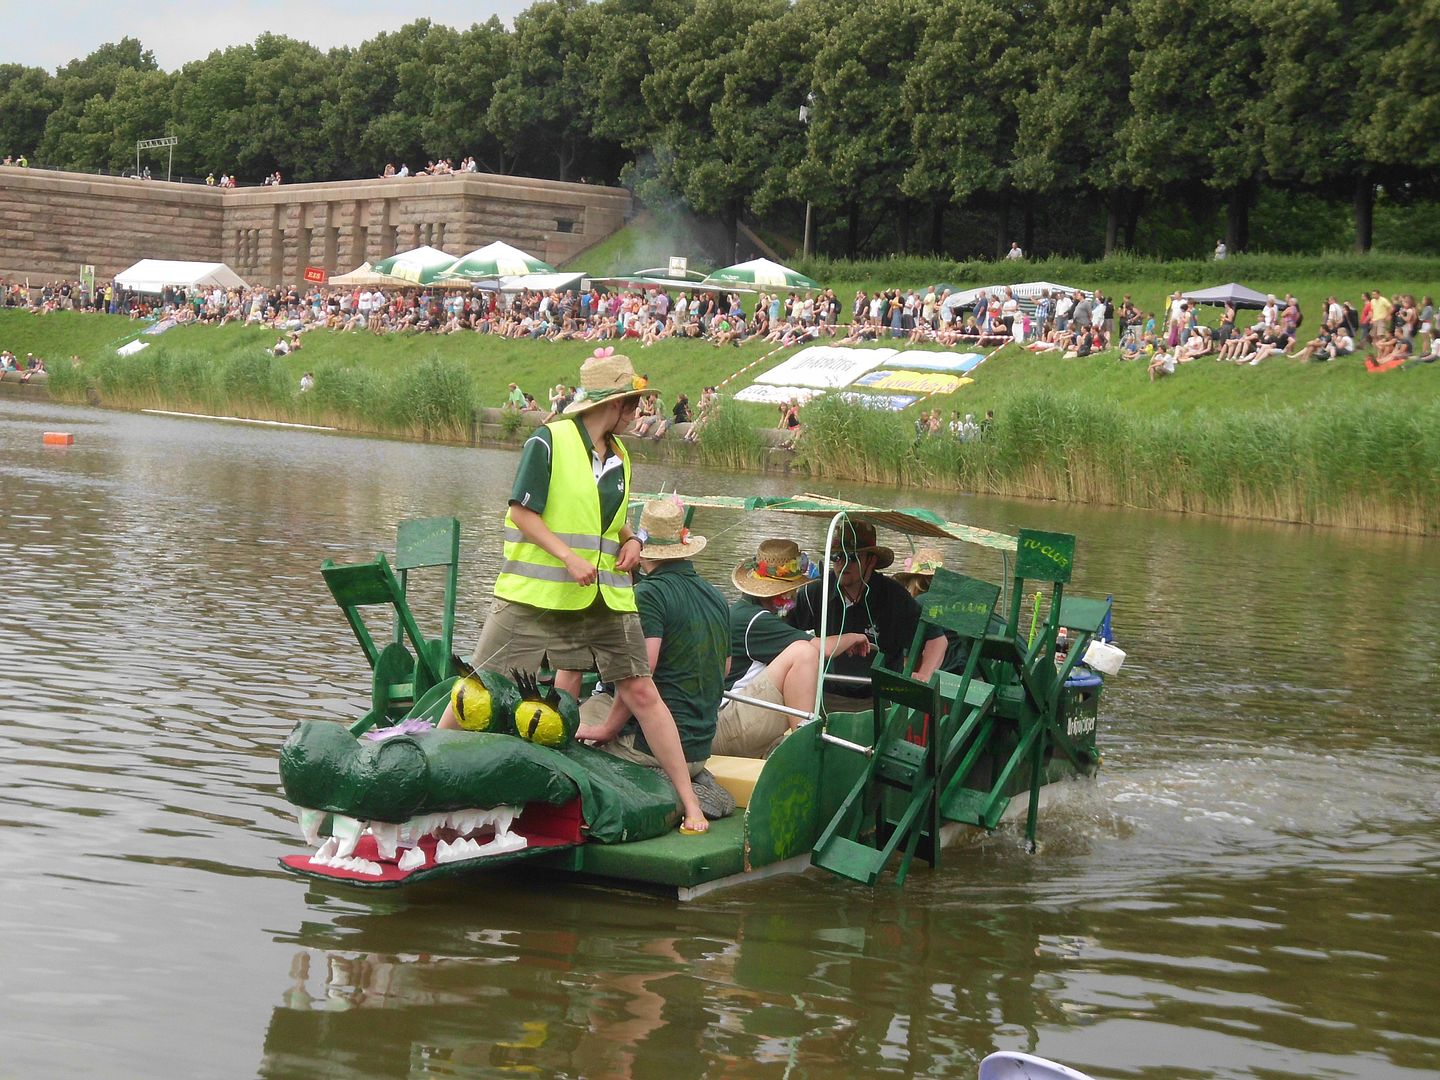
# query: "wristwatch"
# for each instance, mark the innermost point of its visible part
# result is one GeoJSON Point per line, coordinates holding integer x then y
{"type": "Point", "coordinates": [641, 535]}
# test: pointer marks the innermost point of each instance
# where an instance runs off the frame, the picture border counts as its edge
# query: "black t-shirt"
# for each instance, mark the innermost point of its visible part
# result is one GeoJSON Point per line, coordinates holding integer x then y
{"type": "Point", "coordinates": [885, 611]}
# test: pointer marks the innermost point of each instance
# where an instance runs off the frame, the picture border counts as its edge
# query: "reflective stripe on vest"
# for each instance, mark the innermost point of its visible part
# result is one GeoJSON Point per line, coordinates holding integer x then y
{"type": "Point", "coordinates": [530, 574]}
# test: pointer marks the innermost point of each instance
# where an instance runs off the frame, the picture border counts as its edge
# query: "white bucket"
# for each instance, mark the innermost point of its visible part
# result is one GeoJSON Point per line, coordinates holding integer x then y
{"type": "Point", "coordinates": [1104, 657]}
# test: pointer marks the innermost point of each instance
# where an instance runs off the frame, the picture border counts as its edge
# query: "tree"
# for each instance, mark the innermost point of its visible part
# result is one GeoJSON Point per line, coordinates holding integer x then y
{"type": "Point", "coordinates": [963, 91]}
{"type": "Point", "coordinates": [27, 96]}
{"type": "Point", "coordinates": [77, 84]}
{"type": "Point", "coordinates": [859, 139]}
{"type": "Point", "coordinates": [699, 152]}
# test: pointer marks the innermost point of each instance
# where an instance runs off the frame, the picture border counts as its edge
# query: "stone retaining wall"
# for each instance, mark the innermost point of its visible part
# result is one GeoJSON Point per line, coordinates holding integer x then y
{"type": "Point", "coordinates": [51, 223]}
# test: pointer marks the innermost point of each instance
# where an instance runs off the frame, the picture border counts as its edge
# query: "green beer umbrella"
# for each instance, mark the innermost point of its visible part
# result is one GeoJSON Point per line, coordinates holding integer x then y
{"type": "Point", "coordinates": [760, 272]}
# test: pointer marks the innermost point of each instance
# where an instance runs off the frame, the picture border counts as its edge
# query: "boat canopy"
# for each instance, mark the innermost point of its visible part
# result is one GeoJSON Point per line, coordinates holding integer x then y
{"type": "Point", "coordinates": [912, 521]}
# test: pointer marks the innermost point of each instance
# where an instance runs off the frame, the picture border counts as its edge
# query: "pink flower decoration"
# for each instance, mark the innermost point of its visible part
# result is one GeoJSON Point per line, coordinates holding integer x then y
{"type": "Point", "coordinates": [608, 350]}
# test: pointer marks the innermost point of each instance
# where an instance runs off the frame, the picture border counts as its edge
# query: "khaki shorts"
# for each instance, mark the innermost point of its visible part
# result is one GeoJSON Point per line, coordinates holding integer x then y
{"type": "Point", "coordinates": [743, 730]}
{"type": "Point", "coordinates": [595, 639]}
{"type": "Point", "coordinates": [594, 710]}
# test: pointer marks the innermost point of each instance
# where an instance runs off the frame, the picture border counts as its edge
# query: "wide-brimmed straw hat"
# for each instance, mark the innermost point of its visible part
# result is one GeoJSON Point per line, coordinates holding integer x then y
{"type": "Point", "coordinates": [605, 376]}
{"type": "Point", "coordinates": [923, 563]}
{"type": "Point", "coordinates": [779, 567]}
{"type": "Point", "coordinates": [663, 522]}
{"type": "Point", "coordinates": [858, 538]}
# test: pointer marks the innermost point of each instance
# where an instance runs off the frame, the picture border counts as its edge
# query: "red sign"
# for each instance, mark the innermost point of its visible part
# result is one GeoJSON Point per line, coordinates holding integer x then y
{"type": "Point", "coordinates": [315, 274]}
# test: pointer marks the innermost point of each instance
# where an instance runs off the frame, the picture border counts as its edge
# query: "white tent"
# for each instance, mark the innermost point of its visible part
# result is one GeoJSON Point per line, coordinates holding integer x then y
{"type": "Point", "coordinates": [1026, 292]}
{"type": "Point", "coordinates": [152, 275]}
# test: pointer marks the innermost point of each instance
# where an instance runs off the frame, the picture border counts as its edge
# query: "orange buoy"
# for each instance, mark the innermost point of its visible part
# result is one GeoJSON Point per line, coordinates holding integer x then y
{"type": "Point", "coordinates": [58, 438]}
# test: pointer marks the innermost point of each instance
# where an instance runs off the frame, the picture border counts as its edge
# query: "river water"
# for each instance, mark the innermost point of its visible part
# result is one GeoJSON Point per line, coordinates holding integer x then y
{"type": "Point", "coordinates": [1248, 890]}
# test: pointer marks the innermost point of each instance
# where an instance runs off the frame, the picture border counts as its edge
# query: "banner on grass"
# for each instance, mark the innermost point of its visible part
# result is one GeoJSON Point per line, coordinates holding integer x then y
{"type": "Point", "coordinates": [888, 402]}
{"type": "Point", "coordinates": [952, 362]}
{"type": "Point", "coordinates": [825, 367]}
{"type": "Point", "coordinates": [778, 395]}
{"type": "Point", "coordinates": [915, 382]}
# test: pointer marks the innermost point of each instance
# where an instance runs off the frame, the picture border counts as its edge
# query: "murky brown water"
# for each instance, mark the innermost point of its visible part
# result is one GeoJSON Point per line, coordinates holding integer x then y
{"type": "Point", "coordinates": [1249, 890]}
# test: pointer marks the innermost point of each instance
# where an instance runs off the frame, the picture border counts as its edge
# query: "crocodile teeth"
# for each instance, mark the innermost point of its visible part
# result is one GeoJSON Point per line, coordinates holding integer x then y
{"type": "Point", "coordinates": [413, 859]}
{"type": "Point", "coordinates": [504, 815]}
{"type": "Point", "coordinates": [310, 824]}
{"type": "Point", "coordinates": [346, 831]}
{"type": "Point", "coordinates": [387, 836]}
{"type": "Point", "coordinates": [324, 853]}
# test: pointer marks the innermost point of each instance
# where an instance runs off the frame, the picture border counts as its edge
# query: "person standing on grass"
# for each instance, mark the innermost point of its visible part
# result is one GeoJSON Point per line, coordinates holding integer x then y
{"type": "Point", "coordinates": [564, 595]}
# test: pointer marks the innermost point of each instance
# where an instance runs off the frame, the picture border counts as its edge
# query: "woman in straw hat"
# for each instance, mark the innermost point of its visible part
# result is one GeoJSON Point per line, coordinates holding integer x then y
{"type": "Point", "coordinates": [918, 570]}
{"type": "Point", "coordinates": [564, 592]}
{"type": "Point", "coordinates": [770, 660]}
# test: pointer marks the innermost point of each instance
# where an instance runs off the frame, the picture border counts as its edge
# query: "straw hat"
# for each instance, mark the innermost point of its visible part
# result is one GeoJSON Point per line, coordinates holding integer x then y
{"type": "Point", "coordinates": [663, 522]}
{"type": "Point", "coordinates": [923, 563]}
{"type": "Point", "coordinates": [858, 538]}
{"type": "Point", "coordinates": [779, 567]}
{"type": "Point", "coordinates": [605, 376]}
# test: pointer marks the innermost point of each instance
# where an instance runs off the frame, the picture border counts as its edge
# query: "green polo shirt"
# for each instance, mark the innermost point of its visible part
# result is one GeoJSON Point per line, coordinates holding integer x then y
{"type": "Point", "coordinates": [757, 636]}
{"type": "Point", "coordinates": [692, 621]}
{"type": "Point", "coordinates": [532, 477]}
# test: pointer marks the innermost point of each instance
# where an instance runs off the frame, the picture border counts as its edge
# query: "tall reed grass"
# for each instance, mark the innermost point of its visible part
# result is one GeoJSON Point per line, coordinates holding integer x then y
{"type": "Point", "coordinates": [1375, 465]}
{"type": "Point", "coordinates": [729, 440]}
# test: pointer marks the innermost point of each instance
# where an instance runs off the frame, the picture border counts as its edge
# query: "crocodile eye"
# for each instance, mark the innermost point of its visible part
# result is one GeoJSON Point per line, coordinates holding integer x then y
{"type": "Point", "coordinates": [540, 723]}
{"type": "Point", "coordinates": [472, 704]}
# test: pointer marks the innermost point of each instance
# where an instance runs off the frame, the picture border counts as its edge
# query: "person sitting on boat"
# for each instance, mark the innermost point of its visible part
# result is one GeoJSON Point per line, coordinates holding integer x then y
{"type": "Point", "coordinates": [685, 621]}
{"type": "Point", "coordinates": [863, 600]}
{"type": "Point", "coordinates": [564, 594]}
{"type": "Point", "coordinates": [770, 660]}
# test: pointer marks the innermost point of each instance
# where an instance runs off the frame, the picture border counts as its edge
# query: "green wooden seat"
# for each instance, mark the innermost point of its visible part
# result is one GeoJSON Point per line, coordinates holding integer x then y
{"type": "Point", "coordinates": [896, 799]}
{"type": "Point", "coordinates": [401, 675]}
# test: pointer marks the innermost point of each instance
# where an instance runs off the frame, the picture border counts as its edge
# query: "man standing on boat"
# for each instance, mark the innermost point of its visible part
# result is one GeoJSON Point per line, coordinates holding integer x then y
{"type": "Point", "coordinates": [686, 625]}
{"type": "Point", "coordinates": [865, 601]}
{"type": "Point", "coordinates": [564, 592]}
{"type": "Point", "coordinates": [770, 660]}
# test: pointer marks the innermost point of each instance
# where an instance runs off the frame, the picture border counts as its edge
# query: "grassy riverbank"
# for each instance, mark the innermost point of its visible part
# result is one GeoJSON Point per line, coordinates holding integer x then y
{"type": "Point", "coordinates": [1322, 443]}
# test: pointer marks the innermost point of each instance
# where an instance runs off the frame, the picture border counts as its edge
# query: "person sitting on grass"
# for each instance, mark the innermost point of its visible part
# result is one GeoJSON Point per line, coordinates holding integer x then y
{"type": "Point", "coordinates": [1273, 341]}
{"type": "Point", "coordinates": [1429, 356]}
{"type": "Point", "coordinates": [1198, 344]}
{"type": "Point", "coordinates": [1241, 347]}
{"type": "Point", "coordinates": [1390, 352]}
{"type": "Point", "coordinates": [1162, 365]}
{"type": "Point", "coordinates": [680, 415]}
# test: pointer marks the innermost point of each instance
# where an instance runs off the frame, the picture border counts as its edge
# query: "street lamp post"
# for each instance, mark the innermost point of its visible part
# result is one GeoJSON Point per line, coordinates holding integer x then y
{"type": "Point", "coordinates": [809, 247]}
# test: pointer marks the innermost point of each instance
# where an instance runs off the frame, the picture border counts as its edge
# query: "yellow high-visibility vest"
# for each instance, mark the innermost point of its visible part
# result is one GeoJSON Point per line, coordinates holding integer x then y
{"type": "Point", "coordinates": [530, 574]}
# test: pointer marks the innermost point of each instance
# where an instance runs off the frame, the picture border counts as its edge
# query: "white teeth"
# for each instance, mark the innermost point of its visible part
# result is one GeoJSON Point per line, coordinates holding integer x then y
{"type": "Point", "coordinates": [504, 815]}
{"type": "Point", "coordinates": [387, 836]}
{"type": "Point", "coordinates": [346, 831]}
{"type": "Point", "coordinates": [325, 853]}
{"type": "Point", "coordinates": [473, 849]}
{"type": "Point", "coordinates": [310, 824]}
{"type": "Point", "coordinates": [413, 859]}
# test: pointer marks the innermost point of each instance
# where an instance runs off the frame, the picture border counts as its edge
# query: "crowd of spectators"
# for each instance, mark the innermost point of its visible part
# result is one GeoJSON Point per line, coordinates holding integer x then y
{"type": "Point", "coordinates": [1388, 332]}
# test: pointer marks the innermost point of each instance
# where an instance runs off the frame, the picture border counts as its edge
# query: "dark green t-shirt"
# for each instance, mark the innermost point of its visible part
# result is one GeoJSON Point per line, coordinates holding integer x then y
{"type": "Point", "coordinates": [532, 477]}
{"type": "Point", "coordinates": [691, 619]}
{"type": "Point", "coordinates": [757, 636]}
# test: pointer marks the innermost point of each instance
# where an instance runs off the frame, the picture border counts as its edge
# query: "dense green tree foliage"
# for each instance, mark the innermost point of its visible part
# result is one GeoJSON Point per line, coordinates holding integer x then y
{"type": "Point", "coordinates": [947, 126]}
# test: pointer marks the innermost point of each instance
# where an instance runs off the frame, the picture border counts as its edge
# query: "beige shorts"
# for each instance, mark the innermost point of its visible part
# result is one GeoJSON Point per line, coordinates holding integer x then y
{"type": "Point", "coordinates": [526, 638]}
{"type": "Point", "coordinates": [594, 710]}
{"type": "Point", "coordinates": [743, 730]}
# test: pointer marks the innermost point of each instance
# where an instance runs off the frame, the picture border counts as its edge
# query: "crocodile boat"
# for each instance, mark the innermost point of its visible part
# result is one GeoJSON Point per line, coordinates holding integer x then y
{"type": "Point", "coordinates": [388, 801]}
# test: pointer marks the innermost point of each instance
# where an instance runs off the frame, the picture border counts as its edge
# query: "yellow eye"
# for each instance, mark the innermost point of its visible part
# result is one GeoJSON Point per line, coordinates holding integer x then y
{"type": "Point", "coordinates": [472, 704]}
{"type": "Point", "coordinates": [539, 723]}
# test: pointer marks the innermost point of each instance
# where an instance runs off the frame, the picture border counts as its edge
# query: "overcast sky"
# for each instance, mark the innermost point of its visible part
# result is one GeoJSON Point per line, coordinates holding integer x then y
{"type": "Point", "coordinates": [39, 35]}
